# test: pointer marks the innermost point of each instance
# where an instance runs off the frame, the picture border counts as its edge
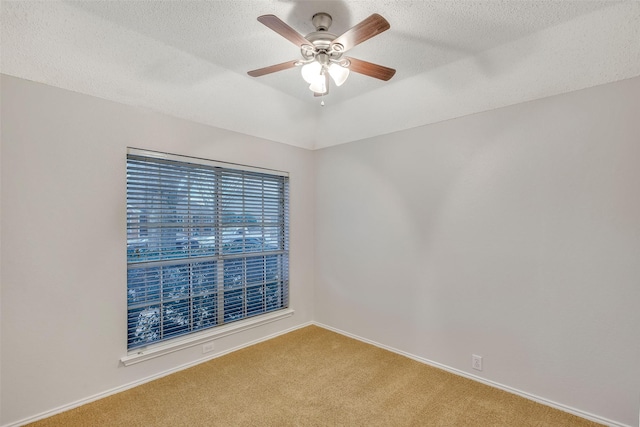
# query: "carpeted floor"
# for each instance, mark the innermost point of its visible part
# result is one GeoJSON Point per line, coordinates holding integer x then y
{"type": "Point", "coordinates": [313, 377]}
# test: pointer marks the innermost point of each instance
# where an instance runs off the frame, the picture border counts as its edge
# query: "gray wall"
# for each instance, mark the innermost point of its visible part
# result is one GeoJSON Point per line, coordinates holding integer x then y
{"type": "Point", "coordinates": [513, 234]}
{"type": "Point", "coordinates": [64, 239]}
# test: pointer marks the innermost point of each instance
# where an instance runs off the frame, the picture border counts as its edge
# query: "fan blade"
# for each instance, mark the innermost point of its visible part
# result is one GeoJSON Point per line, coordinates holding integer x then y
{"type": "Point", "coordinates": [272, 69]}
{"type": "Point", "coordinates": [280, 27]}
{"type": "Point", "coordinates": [372, 26]}
{"type": "Point", "coordinates": [370, 69]}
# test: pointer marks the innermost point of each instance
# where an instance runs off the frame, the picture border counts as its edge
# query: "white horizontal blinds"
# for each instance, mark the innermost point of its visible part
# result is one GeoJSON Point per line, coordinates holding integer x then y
{"type": "Point", "coordinates": [253, 224]}
{"type": "Point", "coordinates": [206, 245]}
{"type": "Point", "coordinates": [168, 205]}
{"type": "Point", "coordinates": [284, 267]}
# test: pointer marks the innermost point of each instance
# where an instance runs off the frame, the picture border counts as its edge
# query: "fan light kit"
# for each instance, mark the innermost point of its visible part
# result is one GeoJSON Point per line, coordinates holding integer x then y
{"type": "Point", "coordinates": [322, 52]}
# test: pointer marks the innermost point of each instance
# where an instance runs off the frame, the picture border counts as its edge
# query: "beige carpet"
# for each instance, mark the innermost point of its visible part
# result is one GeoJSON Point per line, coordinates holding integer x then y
{"type": "Point", "coordinates": [313, 377]}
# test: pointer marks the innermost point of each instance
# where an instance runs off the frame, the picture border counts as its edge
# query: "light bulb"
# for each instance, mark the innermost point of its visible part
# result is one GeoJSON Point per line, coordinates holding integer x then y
{"type": "Point", "coordinates": [338, 73]}
{"type": "Point", "coordinates": [311, 71]}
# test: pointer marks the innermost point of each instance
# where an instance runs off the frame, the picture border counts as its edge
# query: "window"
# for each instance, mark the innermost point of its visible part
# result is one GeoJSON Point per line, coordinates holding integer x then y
{"type": "Point", "coordinates": [207, 244]}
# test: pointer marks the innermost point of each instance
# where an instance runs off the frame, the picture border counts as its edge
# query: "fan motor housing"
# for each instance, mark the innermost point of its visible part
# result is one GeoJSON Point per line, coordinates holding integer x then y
{"type": "Point", "coordinates": [321, 39]}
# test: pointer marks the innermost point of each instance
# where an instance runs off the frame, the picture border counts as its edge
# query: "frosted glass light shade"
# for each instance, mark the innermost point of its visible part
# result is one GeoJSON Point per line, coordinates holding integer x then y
{"type": "Point", "coordinates": [338, 73]}
{"type": "Point", "coordinates": [319, 85]}
{"type": "Point", "coordinates": [314, 74]}
{"type": "Point", "coordinates": [311, 71]}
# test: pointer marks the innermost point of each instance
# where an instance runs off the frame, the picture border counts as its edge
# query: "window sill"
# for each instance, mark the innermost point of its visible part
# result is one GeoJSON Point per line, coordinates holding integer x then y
{"type": "Point", "coordinates": [154, 351]}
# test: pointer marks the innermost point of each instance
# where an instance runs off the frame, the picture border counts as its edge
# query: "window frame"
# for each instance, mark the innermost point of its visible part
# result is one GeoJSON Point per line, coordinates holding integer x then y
{"type": "Point", "coordinates": [155, 347]}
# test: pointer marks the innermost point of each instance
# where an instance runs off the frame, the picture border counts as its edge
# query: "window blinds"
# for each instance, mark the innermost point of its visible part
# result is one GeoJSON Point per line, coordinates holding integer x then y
{"type": "Point", "coordinates": [207, 244]}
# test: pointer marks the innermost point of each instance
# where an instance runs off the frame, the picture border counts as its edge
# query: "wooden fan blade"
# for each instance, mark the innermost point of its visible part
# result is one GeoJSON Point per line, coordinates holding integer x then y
{"type": "Point", "coordinates": [272, 69]}
{"type": "Point", "coordinates": [370, 69]}
{"type": "Point", "coordinates": [372, 26]}
{"type": "Point", "coordinates": [280, 27]}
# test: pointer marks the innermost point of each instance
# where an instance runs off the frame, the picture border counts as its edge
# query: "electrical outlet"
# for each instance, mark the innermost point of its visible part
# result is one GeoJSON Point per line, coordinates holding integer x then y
{"type": "Point", "coordinates": [476, 362]}
{"type": "Point", "coordinates": [206, 348]}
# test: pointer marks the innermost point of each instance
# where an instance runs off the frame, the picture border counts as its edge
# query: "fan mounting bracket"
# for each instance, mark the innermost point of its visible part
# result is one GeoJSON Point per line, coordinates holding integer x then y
{"type": "Point", "coordinates": [322, 21]}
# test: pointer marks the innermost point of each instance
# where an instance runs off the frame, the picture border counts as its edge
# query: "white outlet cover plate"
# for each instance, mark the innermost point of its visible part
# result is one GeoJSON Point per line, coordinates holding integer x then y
{"type": "Point", "coordinates": [476, 362]}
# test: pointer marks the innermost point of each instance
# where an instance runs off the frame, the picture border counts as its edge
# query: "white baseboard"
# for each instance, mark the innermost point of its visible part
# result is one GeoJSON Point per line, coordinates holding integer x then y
{"type": "Point", "coordinates": [455, 371]}
{"type": "Point", "coordinates": [119, 389]}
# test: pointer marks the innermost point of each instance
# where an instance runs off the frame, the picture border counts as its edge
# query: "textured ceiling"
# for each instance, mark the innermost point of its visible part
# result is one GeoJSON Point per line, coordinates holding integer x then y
{"type": "Point", "coordinates": [189, 59]}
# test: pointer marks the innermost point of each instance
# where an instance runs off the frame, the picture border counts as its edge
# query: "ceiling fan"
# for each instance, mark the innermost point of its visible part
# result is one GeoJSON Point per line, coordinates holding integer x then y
{"type": "Point", "coordinates": [322, 52]}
